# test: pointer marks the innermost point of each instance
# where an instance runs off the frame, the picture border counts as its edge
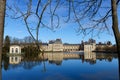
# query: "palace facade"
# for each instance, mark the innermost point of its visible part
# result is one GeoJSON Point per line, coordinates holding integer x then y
{"type": "Point", "coordinates": [90, 45]}
{"type": "Point", "coordinates": [57, 45]}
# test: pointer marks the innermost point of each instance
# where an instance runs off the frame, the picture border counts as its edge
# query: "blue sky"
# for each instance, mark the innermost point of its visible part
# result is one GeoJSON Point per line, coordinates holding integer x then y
{"type": "Point", "coordinates": [66, 31]}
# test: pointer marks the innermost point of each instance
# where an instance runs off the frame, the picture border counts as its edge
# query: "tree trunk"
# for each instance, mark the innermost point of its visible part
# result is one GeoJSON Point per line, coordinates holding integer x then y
{"type": "Point", "coordinates": [2, 17]}
{"type": "Point", "coordinates": [116, 29]}
{"type": "Point", "coordinates": [115, 24]}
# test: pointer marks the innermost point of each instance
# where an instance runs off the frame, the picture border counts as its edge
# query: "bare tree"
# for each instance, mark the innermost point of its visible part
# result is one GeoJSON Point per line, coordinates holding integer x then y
{"type": "Point", "coordinates": [79, 11]}
{"type": "Point", "coordinates": [15, 40]}
{"type": "Point", "coordinates": [115, 23]}
{"type": "Point", "coordinates": [28, 39]}
{"type": "Point", "coordinates": [95, 12]}
{"type": "Point", "coordinates": [36, 11]}
{"type": "Point", "coordinates": [2, 15]}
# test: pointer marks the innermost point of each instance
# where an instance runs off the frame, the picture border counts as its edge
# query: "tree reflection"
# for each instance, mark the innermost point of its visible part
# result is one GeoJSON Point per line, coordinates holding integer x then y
{"type": "Point", "coordinates": [0, 66]}
{"type": "Point", "coordinates": [42, 56]}
{"type": "Point", "coordinates": [119, 63]}
{"type": "Point", "coordinates": [110, 59]}
{"type": "Point", "coordinates": [30, 64]}
{"type": "Point", "coordinates": [57, 58]}
{"type": "Point", "coordinates": [56, 62]}
{"type": "Point", "coordinates": [44, 67]}
{"type": "Point", "coordinates": [5, 59]}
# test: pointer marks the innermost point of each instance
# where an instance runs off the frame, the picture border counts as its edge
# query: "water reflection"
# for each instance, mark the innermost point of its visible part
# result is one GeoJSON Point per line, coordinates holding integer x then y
{"type": "Point", "coordinates": [0, 67]}
{"type": "Point", "coordinates": [44, 62]}
{"type": "Point", "coordinates": [15, 59]}
{"type": "Point", "coordinates": [54, 58]}
{"type": "Point", "coordinates": [57, 58]}
{"type": "Point", "coordinates": [119, 64]}
{"type": "Point", "coordinates": [90, 57]}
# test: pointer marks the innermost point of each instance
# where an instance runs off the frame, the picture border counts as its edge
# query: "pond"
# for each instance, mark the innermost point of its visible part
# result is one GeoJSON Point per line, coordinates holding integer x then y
{"type": "Point", "coordinates": [61, 66]}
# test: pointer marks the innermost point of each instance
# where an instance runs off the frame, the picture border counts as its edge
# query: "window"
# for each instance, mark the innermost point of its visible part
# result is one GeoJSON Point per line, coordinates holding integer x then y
{"type": "Point", "coordinates": [11, 59]}
{"type": "Point", "coordinates": [12, 50]}
{"type": "Point", "coordinates": [16, 50]}
{"type": "Point", "coordinates": [16, 59]}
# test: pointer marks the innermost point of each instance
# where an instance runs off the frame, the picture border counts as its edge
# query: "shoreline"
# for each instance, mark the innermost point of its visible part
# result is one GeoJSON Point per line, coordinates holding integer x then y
{"type": "Point", "coordinates": [105, 51]}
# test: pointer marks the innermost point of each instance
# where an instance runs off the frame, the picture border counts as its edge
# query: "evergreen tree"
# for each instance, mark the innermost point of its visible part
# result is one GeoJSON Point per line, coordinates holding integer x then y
{"type": "Point", "coordinates": [6, 44]}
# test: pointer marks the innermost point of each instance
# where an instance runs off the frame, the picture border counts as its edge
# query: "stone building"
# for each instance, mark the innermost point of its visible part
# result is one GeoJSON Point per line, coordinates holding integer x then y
{"type": "Point", "coordinates": [90, 45]}
{"type": "Point", "coordinates": [16, 49]}
{"type": "Point", "coordinates": [57, 45]}
{"type": "Point", "coordinates": [52, 45]}
{"type": "Point", "coordinates": [71, 47]}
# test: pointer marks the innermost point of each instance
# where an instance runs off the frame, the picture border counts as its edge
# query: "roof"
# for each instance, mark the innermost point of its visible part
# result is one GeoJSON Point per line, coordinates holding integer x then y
{"type": "Point", "coordinates": [51, 41]}
{"type": "Point", "coordinates": [57, 41]}
{"type": "Point", "coordinates": [44, 43]}
{"type": "Point", "coordinates": [71, 44]}
{"type": "Point", "coordinates": [14, 45]}
{"type": "Point", "coordinates": [101, 44]}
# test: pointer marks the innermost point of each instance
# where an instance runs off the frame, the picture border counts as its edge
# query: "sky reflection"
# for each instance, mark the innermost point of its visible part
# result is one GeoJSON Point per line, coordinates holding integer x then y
{"type": "Point", "coordinates": [69, 69]}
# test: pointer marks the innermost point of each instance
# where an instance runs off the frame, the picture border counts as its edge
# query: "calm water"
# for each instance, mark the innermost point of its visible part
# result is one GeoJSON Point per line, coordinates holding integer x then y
{"type": "Point", "coordinates": [61, 66]}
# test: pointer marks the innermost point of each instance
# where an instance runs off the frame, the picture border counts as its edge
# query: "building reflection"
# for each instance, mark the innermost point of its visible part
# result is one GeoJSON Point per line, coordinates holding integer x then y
{"type": "Point", "coordinates": [15, 59]}
{"type": "Point", "coordinates": [90, 57]}
{"type": "Point", "coordinates": [57, 58]}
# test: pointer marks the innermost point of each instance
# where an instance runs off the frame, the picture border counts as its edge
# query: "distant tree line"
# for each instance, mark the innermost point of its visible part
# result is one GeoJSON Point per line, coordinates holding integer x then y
{"type": "Point", "coordinates": [26, 39]}
{"type": "Point", "coordinates": [107, 48]}
{"type": "Point", "coordinates": [13, 41]}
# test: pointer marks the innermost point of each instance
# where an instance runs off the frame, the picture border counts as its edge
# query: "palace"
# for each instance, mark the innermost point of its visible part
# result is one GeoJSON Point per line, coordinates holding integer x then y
{"type": "Point", "coordinates": [90, 45]}
{"type": "Point", "coordinates": [53, 45]}
{"type": "Point", "coordinates": [57, 45]}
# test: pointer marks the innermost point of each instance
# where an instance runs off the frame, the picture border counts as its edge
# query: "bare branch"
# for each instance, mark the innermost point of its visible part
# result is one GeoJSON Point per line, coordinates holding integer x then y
{"type": "Point", "coordinates": [38, 5]}
{"type": "Point", "coordinates": [77, 19]}
{"type": "Point", "coordinates": [40, 18]}
{"type": "Point", "coordinates": [69, 11]}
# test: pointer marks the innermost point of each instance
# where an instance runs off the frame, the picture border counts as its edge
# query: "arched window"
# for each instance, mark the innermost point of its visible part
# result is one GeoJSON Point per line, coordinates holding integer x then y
{"type": "Point", "coordinates": [12, 50]}
{"type": "Point", "coordinates": [11, 59]}
{"type": "Point", "coordinates": [16, 50]}
{"type": "Point", "coordinates": [16, 58]}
